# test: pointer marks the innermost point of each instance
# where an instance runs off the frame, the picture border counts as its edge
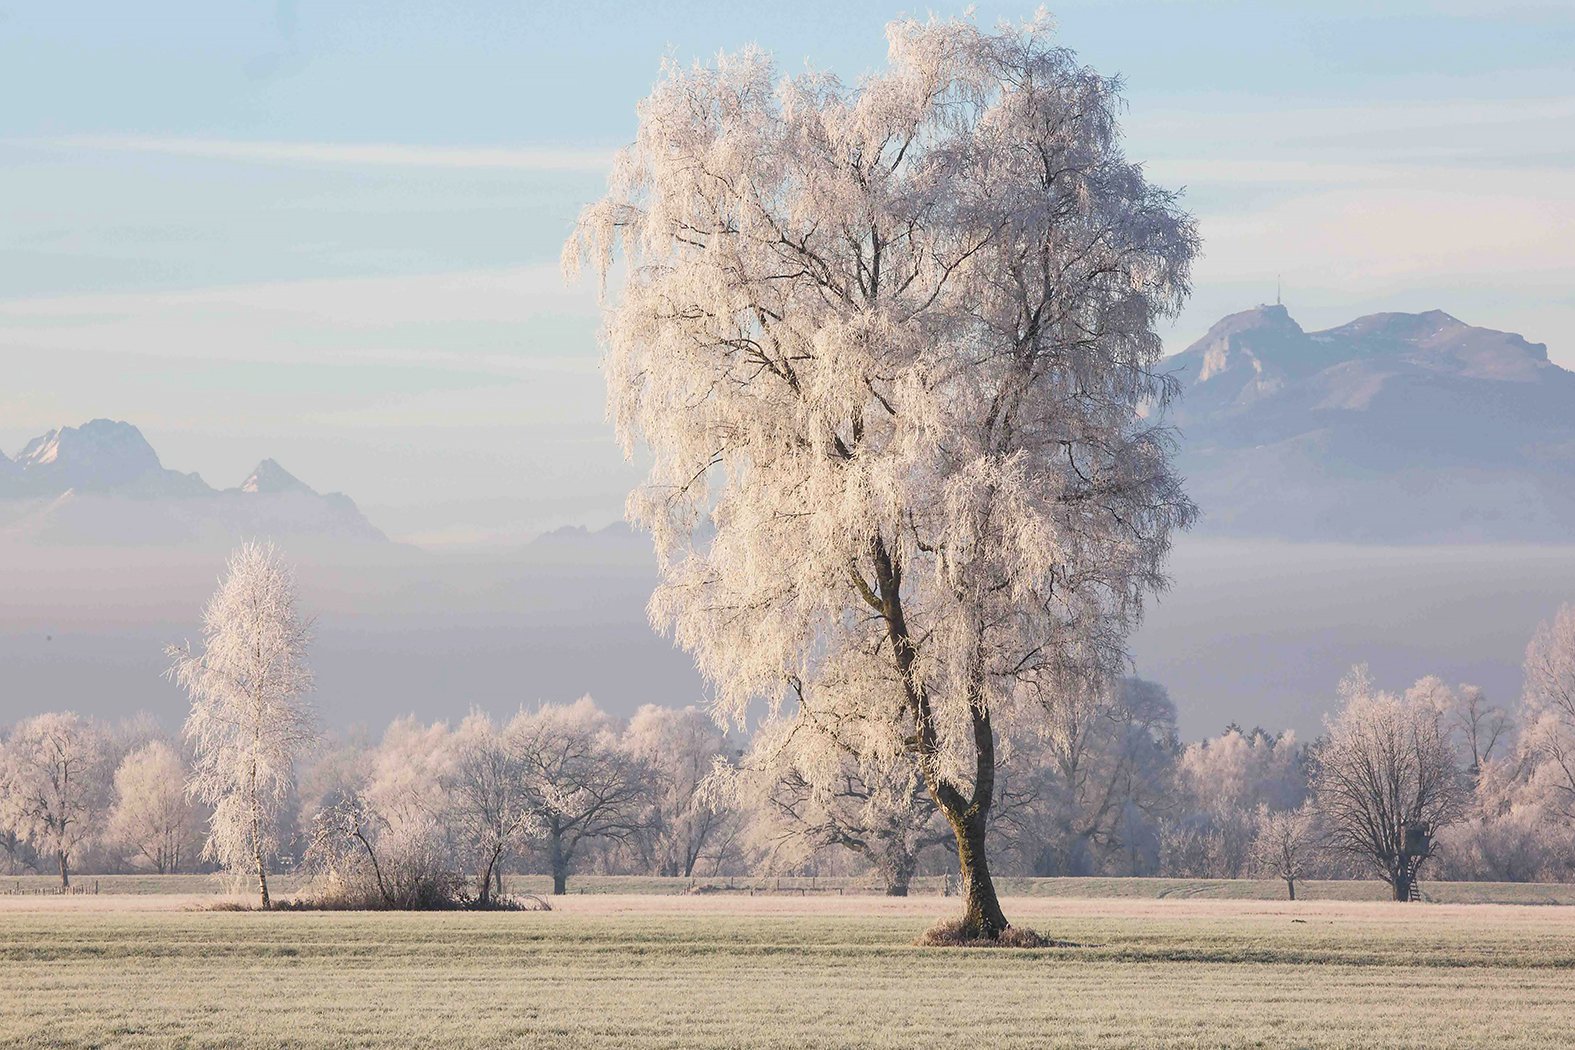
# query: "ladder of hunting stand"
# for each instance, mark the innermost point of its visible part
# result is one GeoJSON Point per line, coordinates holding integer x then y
{"type": "Point", "coordinates": [1411, 866]}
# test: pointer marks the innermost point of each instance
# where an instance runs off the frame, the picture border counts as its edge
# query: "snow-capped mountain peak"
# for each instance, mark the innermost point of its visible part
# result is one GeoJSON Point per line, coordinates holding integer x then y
{"type": "Point", "coordinates": [101, 455]}
{"type": "Point", "coordinates": [271, 477]}
{"type": "Point", "coordinates": [102, 483]}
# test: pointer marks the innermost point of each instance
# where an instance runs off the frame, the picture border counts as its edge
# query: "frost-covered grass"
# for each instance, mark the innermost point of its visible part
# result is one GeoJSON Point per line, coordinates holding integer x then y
{"type": "Point", "coordinates": [717, 971]}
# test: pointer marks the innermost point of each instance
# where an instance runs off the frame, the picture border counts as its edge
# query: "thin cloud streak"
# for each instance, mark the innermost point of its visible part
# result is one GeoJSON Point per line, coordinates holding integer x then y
{"type": "Point", "coordinates": [556, 159]}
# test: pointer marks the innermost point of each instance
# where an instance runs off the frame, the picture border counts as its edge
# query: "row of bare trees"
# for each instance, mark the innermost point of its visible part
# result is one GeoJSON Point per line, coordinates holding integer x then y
{"type": "Point", "coordinates": [1104, 787]}
{"type": "Point", "coordinates": [74, 790]}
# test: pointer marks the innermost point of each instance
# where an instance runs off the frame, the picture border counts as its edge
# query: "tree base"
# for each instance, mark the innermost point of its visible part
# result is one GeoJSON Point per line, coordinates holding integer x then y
{"type": "Point", "coordinates": [955, 934]}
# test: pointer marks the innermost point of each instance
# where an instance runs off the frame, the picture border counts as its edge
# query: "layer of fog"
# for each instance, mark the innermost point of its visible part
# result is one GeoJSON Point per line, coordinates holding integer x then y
{"type": "Point", "coordinates": [1252, 632]}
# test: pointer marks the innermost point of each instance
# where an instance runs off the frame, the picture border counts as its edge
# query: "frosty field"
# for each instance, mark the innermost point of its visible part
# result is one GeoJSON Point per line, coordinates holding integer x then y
{"type": "Point", "coordinates": [623, 970]}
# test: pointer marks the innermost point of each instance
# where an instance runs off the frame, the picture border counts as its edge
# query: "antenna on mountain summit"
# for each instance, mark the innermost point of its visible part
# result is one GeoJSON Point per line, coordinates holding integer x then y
{"type": "Point", "coordinates": [1277, 300]}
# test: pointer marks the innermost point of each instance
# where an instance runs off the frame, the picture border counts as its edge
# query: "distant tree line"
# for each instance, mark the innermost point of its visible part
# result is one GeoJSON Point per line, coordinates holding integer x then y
{"type": "Point", "coordinates": [1434, 775]}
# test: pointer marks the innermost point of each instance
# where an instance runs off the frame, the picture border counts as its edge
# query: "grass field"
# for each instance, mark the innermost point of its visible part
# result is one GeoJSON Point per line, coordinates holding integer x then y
{"type": "Point", "coordinates": [619, 970]}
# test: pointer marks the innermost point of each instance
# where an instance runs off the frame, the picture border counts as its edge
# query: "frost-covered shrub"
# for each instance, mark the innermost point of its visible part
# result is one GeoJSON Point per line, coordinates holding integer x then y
{"type": "Point", "coordinates": [357, 859]}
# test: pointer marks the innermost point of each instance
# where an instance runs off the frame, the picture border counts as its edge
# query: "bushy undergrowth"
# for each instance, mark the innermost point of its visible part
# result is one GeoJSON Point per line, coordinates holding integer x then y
{"type": "Point", "coordinates": [360, 861]}
{"type": "Point", "coordinates": [319, 899]}
{"type": "Point", "coordinates": [360, 900]}
{"type": "Point", "coordinates": [952, 935]}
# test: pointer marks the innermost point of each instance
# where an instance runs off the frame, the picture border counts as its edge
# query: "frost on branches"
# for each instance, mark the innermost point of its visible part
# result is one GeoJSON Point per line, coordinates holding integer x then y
{"type": "Point", "coordinates": [1387, 770]}
{"type": "Point", "coordinates": [893, 345]}
{"type": "Point", "coordinates": [249, 715]}
{"type": "Point", "coordinates": [152, 816]}
{"type": "Point", "coordinates": [54, 784]}
{"type": "Point", "coordinates": [1550, 708]}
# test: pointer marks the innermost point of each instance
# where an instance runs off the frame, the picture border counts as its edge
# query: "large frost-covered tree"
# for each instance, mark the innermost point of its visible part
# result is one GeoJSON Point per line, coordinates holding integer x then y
{"type": "Point", "coordinates": [896, 342]}
{"type": "Point", "coordinates": [153, 817]}
{"type": "Point", "coordinates": [250, 718]}
{"type": "Point", "coordinates": [582, 786]}
{"type": "Point", "coordinates": [54, 780]}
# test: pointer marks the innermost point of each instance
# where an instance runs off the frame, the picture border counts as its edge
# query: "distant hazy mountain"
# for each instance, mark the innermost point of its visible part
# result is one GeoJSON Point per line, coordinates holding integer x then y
{"type": "Point", "coordinates": [1393, 428]}
{"type": "Point", "coordinates": [102, 484]}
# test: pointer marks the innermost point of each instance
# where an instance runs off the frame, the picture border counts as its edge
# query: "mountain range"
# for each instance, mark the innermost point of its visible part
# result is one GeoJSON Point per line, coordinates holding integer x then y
{"type": "Point", "coordinates": [102, 484]}
{"type": "Point", "coordinates": [1394, 428]}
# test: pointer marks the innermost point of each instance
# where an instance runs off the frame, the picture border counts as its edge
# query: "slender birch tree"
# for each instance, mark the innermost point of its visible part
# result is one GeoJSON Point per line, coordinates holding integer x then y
{"type": "Point", "coordinates": [250, 719]}
{"type": "Point", "coordinates": [892, 350]}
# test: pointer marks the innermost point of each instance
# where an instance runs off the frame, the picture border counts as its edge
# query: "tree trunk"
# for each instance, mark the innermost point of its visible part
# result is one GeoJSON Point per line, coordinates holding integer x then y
{"type": "Point", "coordinates": [484, 881]}
{"type": "Point", "coordinates": [1401, 884]}
{"type": "Point", "coordinates": [377, 870]}
{"type": "Point", "coordinates": [257, 824]}
{"type": "Point", "coordinates": [1290, 888]}
{"type": "Point", "coordinates": [65, 874]}
{"type": "Point", "coordinates": [257, 846]}
{"type": "Point", "coordinates": [262, 877]}
{"type": "Point", "coordinates": [497, 879]}
{"type": "Point", "coordinates": [897, 872]}
{"type": "Point", "coordinates": [560, 866]}
{"type": "Point", "coordinates": [982, 917]}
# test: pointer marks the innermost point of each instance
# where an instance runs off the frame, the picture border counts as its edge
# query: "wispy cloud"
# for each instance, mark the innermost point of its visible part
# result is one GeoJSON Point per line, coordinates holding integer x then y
{"type": "Point", "coordinates": [497, 320]}
{"type": "Point", "coordinates": [340, 154]}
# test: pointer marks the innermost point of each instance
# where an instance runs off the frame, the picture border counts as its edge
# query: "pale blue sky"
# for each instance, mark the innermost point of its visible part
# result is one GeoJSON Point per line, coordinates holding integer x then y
{"type": "Point", "coordinates": [328, 232]}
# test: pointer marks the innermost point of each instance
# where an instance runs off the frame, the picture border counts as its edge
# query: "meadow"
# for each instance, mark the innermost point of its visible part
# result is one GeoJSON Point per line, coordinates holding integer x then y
{"type": "Point", "coordinates": [1178, 965]}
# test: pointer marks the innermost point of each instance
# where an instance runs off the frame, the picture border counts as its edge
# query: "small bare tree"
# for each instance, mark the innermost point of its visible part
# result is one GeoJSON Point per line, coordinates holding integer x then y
{"type": "Point", "coordinates": [379, 838]}
{"type": "Point", "coordinates": [876, 808]}
{"type": "Point", "coordinates": [1284, 844]}
{"type": "Point", "coordinates": [1077, 791]}
{"type": "Point", "coordinates": [1387, 780]}
{"type": "Point", "coordinates": [249, 718]}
